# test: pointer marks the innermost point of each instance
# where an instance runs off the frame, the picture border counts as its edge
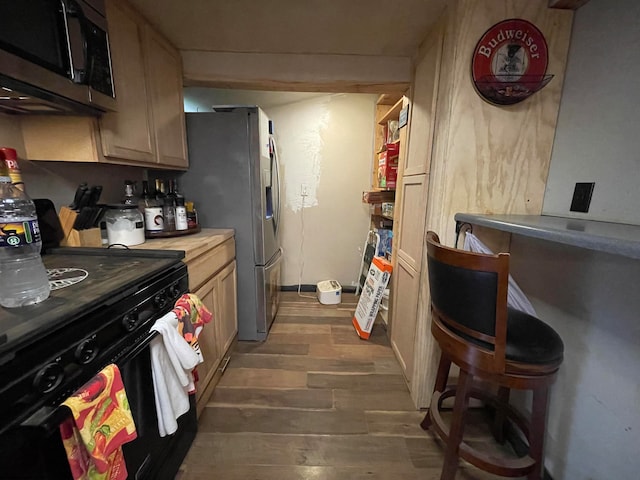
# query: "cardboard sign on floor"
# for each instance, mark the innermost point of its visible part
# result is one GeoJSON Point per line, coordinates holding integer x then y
{"type": "Point", "coordinates": [371, 295]}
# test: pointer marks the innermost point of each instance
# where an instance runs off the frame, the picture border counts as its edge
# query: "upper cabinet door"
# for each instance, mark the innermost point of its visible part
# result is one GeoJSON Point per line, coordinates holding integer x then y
{"type": "Point", "coordinates": [164, 81]}
{"type": "Point", "coordinates": [127, 133]}
{"type": "Point", "coordinates": [426, 79]}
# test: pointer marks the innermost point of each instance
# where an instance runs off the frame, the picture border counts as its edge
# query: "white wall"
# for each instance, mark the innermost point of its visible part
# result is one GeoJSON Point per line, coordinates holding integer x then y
{"type": "Point", "coordinates": [590, 298]}
{"type": "Point", "coordinates": [598, 134]}
{"type": "Point", "coordinates": [326, 143]}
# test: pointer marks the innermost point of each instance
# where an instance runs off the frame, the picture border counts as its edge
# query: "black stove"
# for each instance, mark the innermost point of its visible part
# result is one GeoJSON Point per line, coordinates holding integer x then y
{"type": "Point", "coordinates": [102, 305]}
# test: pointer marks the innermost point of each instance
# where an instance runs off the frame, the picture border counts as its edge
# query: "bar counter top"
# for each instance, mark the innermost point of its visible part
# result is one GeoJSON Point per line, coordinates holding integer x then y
{"type": "Point", "coordinates": [615, 238]}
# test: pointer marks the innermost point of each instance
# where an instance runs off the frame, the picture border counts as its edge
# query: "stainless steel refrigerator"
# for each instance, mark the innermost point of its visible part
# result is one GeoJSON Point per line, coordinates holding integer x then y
{"type": "Point", "coordinates": [234, 181]}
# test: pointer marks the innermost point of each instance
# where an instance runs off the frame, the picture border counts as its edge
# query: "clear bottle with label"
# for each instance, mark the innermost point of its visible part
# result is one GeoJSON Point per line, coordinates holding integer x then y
{"type": "Point", "coordinates": [151, 209]}
{"type": "Point", "coordinates": [181, 214]}
{"type": "Point", "coordinates": [23, 278]}
{"type": "Point", "coordinates": [169, 214]}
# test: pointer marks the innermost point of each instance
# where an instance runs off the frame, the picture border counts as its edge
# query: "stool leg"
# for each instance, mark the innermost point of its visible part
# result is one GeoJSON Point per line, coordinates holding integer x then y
{"type": "Point", "coordinates": [456, 430]}
{"type": "Point", "coordinates": [498, 422]}
{"type": "Point", "coordinates": [536, 435]}
{"type": "Point", "coordinates": [441, 381]}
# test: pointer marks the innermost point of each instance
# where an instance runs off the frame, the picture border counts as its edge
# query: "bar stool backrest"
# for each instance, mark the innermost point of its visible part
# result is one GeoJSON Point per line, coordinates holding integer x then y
{"type": "Point", "coordinates": [469, 297]}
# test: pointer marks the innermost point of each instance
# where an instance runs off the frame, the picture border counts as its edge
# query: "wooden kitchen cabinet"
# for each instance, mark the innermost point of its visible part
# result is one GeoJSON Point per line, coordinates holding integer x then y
{"type": "Point", "coordinates": [164, 87]}
{"type": "Point", "coordinates": [210, 259]}
{"type": "Point", "coordinates": [148, 128]}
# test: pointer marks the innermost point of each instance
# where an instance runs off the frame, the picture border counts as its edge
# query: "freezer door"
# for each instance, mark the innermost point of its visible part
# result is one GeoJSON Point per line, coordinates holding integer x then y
{"type": "Point", "coordinates": [268, 281]}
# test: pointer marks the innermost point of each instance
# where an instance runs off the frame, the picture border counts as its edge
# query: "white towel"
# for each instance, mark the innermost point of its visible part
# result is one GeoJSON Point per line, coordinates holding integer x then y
{"type": "Point", "coordinates": [172, 361]}
{"type": "Point", "coordinates": [515, 296]}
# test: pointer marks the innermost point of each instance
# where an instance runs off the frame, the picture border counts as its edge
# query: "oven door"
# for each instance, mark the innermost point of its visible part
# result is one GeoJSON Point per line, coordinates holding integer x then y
{"type": "Point", "coordinates": [34, 449]}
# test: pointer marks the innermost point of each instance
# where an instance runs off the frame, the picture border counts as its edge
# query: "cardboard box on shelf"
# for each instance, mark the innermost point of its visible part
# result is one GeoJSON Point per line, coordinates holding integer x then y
{"type": "Point", "coordinates": [387, 170]}
{"type": "Point", "coordinates": [378, 197]}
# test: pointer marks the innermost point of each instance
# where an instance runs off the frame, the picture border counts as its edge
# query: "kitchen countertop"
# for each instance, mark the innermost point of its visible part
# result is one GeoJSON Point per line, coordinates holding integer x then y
{"type": "Point", "coordinates": [615, 238]}
{"type": "Point", "coordinates": [193, 245]}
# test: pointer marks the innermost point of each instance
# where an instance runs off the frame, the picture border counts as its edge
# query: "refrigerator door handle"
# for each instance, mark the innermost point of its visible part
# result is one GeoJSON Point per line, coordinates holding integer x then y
{"type": "Point", "coordinates": [276, 167]}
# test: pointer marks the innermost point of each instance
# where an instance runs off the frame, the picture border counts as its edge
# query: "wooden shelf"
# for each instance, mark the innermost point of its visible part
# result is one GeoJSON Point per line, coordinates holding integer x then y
{"type": "Point", "coordinates": [378, 196]}
{"type": "Point", "coordinates": [392, 114]}
{"type": "Point", "coordinates": [388, 98]}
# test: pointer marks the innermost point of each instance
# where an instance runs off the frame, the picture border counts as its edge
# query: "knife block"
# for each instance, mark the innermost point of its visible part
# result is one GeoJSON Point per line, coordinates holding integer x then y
{"type": "Point", "coordinates": [89, 237]}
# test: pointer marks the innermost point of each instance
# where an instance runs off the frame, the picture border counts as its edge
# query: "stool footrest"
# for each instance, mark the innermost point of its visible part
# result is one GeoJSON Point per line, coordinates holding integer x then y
{"type": "Point", "coordinates": [507, 467]}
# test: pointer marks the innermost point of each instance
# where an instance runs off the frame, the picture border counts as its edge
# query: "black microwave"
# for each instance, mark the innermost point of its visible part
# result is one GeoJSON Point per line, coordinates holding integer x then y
{"type": "Point", "coordinates": [54, 57]}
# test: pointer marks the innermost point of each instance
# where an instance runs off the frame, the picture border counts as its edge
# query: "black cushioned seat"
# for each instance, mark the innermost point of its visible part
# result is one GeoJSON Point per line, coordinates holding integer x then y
{"type": "Point", "coordinates": [530, 340]}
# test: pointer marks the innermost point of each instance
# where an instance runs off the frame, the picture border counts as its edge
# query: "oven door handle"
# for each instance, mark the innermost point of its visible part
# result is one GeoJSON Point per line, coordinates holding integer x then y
{"type": "Point", "coordinates": [129, 354]}
{"type": "Point", "coordinates": [48, 419]}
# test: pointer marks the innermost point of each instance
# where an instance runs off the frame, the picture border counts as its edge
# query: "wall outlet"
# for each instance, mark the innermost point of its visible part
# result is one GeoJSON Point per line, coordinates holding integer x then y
{"type": "Point", "coordinates": [582, 197]}
{"type": "Point", "coordinates": [304, 189]}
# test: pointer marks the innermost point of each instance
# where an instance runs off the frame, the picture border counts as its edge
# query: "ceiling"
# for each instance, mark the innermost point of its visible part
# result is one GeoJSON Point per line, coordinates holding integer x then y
{"type": "Point", "coordinates": [342, 27]}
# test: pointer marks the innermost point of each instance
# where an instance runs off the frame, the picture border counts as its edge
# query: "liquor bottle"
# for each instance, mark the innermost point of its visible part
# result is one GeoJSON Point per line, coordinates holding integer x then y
{"type": "Point", "coordinates": [152, 210]}
{"type": "Point", "coordinates": [160, 191]}
{"type": "Point", "coordinates": [192, 215]}
{"type": "Point", "coordinates": [130, 197]}
{"type": "Point", "coordinates": [181, 214]}
{"type": "Point", "coordinates": [169, 207]}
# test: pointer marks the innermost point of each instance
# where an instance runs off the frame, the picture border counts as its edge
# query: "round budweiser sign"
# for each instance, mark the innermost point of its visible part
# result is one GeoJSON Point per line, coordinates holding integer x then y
{"type": "Point", "coordinates": [510, 62]}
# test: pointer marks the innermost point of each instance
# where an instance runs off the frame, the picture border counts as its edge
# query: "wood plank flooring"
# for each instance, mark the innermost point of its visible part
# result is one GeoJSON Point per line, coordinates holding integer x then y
{"type": "Point", "coordinates": [316, 402]}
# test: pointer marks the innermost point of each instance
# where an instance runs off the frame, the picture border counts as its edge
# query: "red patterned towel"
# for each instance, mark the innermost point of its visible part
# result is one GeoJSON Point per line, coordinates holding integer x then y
{"type": "Point", "coordinates": [101, 424]}
{"type": "Point", "coordinates": [192, 315]}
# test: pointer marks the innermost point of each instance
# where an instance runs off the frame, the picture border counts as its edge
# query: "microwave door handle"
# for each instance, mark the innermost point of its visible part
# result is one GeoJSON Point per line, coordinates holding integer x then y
{"type": "Point", "coordinates": [74, 10]}
{"type": "Point", "coordinates": [65, 18]}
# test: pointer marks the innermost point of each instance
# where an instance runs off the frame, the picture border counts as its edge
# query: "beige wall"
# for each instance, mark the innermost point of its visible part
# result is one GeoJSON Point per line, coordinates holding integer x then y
{"type": "Point", "coordinates": [327, 144]}
{"type": "Point", "coordinates": [10, 134]}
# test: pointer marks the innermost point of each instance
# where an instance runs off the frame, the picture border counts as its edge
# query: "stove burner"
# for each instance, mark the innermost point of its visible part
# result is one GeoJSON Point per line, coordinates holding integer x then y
{"type": "Point", "coordinates": [65, 277]}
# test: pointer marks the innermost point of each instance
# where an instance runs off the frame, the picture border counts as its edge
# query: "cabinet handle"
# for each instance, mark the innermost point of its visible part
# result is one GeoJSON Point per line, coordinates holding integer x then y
{"type": "Point", "coordinates": [226, 363]}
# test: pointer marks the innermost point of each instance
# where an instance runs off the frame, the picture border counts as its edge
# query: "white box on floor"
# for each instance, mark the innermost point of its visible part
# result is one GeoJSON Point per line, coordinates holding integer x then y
{"type": "Point", "coordinates": [372, 293]}
{"type": "Point", "coordinates": [329, 292]}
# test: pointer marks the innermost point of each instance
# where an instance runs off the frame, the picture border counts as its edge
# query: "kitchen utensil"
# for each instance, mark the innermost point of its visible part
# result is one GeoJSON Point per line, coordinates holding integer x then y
{"type": "Point", "coordinates": [78, 195]}
{"type": "Point", "coordinates": [94, 195]}
{"type": "Point", "coordinates": [83, 218]}
{"type": "Point", "coordinates": [84, 200]}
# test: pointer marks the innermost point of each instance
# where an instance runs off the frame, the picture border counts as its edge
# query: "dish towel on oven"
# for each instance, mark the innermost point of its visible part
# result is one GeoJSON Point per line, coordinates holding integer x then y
{"type": "Point", "coordinates": [192, 315]}
{"type": "Point", "coordinates": [101, 423]}
{"type": "Point", "coordinates": [172, 360]}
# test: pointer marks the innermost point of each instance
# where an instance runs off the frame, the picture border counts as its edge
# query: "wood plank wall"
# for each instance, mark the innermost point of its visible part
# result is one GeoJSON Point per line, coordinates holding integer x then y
{"type": "Point", "coordinates": [486, 159]}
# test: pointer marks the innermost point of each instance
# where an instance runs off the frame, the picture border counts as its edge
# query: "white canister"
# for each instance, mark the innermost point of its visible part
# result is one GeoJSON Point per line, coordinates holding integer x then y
{"type": "Point", "coordinates": [125, 225]}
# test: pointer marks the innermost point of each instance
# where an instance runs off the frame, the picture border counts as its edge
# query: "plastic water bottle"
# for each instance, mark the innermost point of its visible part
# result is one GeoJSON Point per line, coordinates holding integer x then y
{"type": "Point", "coordinates": [23, 278]}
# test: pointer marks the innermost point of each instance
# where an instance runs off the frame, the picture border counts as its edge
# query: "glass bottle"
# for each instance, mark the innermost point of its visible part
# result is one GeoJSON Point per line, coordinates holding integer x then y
{"type": "Point", "coordinates": [160, 191]}
{"type": "Point", "coordinates": [130, 197]}
{"type": "Point", "coordinates": [151, 209]}
{"type": "Point", "coordinates": [181, 214]}
{"type": "Point", "coordinates": [192, 215]}
{"type": "Point", "coordinates": [169, 214]}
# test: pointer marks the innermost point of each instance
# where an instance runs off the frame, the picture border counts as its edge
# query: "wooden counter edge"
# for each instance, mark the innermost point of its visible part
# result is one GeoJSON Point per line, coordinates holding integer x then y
{"type": "Point", "coordinates": [193, 245]}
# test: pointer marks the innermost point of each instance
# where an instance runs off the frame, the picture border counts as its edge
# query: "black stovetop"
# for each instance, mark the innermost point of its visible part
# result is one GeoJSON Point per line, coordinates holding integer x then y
{"type": "Point", "coordinates": [83, 280]}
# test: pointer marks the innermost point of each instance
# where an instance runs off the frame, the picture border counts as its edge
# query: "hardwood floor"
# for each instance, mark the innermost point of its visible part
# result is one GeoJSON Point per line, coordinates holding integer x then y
{"type": "Point", "coordinates": [316, 402]}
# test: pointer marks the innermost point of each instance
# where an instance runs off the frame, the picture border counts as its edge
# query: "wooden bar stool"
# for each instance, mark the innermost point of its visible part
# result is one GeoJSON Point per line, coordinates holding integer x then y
{"type": "Point", "coordinates": [490, 342]}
